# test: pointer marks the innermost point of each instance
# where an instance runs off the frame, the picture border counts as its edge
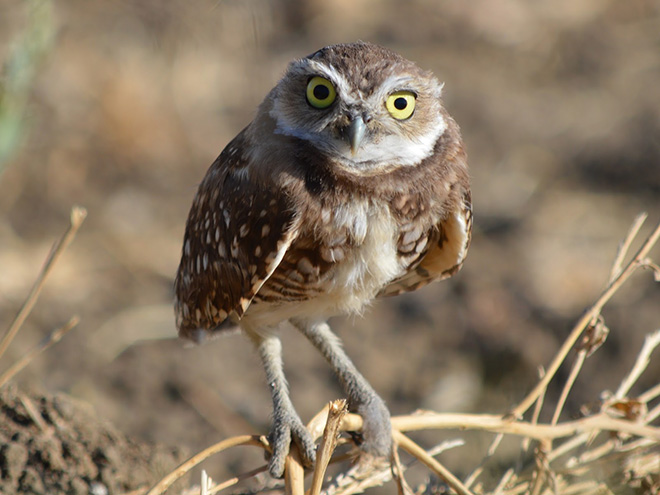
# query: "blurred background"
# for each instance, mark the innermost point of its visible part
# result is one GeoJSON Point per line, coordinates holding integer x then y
{"type": "Point", "coordinates": [121, 107]}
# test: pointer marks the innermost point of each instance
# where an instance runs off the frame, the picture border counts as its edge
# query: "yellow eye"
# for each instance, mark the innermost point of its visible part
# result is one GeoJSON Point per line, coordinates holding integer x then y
{"type": "Point", "coordinates": [320, 92]}
{"type": "Point", "coordinates": [401, 104]}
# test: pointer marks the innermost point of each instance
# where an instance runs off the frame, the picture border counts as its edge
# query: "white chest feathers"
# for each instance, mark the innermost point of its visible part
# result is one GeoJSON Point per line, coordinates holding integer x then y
{"type": "Point", "coordinates": [373, 261]}
{"type": "Point", "coordinates": [356, 276]}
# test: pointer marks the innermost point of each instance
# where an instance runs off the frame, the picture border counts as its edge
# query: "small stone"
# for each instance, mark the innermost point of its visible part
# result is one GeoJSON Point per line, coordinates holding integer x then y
{"type": "Point", "coordinates": [97, 488]}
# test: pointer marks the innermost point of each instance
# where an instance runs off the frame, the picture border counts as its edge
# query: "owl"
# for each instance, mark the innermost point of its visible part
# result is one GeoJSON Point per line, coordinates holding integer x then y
{"type": "Point", "coordinates": [350, 184]}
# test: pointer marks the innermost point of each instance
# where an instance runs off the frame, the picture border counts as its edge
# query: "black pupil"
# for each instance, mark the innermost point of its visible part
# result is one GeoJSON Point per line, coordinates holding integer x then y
{"type": "Point", "coordinates": [400, 103]}
{"type": "Point", "coordinates": [321, 92]}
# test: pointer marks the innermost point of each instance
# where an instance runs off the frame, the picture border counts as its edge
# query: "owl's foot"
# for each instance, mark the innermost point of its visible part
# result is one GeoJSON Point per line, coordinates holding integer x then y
{"type": "Point", "coordinates": [286, 429]}
{"type": "Point", "coordinates": [376, 435]}
{"type": "Point", "coordinates": [376, 428]}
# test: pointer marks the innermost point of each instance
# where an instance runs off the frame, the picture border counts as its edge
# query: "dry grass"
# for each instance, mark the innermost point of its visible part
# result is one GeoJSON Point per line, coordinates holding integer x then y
{"type": "Point", "coordinates": [78, 216]}
{"type": "Point", "coordinates": [613, 448]}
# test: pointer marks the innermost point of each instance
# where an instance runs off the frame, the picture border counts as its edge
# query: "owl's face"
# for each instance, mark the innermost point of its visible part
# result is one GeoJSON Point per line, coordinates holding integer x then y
{"type": "Point", "coordinates": [361, 104]}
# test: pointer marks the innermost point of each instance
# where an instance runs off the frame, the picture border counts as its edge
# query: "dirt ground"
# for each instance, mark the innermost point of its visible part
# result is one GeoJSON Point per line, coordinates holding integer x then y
{"type": "Point", "coordinates": [121, 107]}
{"type": "Point", "coordinates": [55, 444]}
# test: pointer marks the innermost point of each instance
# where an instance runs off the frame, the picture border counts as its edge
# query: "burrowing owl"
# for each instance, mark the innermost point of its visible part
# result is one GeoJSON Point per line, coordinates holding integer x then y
{"type": "Point", "coordinates": [350, 183]}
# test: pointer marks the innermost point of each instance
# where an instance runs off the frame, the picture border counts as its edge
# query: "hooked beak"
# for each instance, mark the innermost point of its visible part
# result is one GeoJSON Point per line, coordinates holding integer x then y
{"type": "Point", "coordinates": [356, 131]}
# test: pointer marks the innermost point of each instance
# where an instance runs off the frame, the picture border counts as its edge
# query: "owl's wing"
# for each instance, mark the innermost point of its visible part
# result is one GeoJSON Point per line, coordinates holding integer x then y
{"type": "Point", "coordinates": [236, 235]}
{"type": "Point", "coordinates": [445, 252]}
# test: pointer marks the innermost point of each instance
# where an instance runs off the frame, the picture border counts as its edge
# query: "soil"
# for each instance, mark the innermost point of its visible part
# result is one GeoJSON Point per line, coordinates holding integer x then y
{"type": "Point", "coordinates": [52, 444]}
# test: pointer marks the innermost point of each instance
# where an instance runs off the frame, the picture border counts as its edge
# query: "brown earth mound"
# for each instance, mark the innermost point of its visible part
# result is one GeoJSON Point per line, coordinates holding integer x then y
{"type": "Point", "coordinates": [54, 444]}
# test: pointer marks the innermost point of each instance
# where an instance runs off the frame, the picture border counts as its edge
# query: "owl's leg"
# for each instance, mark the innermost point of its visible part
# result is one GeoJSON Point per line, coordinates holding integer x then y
{"type": "Point", "coordinates": [287, 425]}
{"type": "Point", "coordinates": [362, 398]}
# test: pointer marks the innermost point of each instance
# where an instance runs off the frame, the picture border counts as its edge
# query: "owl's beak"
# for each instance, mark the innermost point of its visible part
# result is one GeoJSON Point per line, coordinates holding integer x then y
{"type": "Point", "coordinates": [356, 131]}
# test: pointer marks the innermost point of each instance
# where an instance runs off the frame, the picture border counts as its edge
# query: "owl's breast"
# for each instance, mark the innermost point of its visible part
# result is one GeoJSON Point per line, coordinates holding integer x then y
{"type": "Point", "coordinates": [342, 258]}
{"type": "Point", "coordinates": [370, 258]}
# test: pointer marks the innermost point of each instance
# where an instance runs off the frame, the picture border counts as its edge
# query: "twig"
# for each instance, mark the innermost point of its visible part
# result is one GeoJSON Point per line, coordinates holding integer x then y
{"type": "Point", "coordinates": [582, 323]}
{"type": "Point", "coordinates": [78, 215]}
{"type": "Point", "coordinates": [568, 446]}
{"type": "Point", "coordinates": [624, 246]}
{"type": "Point", "coordinates": [541, 472]}
{"type": "Point", "coordinates": [206, 483]}
{"type": "Point", "coordinates": [336, 411]}
{"type": "Point", "coordinates": [640, 443]}
{"type": "Point", "coordinates": [650, 394]}
{"type": "Point", "coordinates": [503, 482]}
{"type": "Point", "coordinates": [595, 335]}
{"type": "Point", "coordinates": [316, 425]}
{"type": "Point", "coordinates": [654, 267]}
{"type": "Point", "coordinates": [294, 473]}
{"type": "Point", "coordinates": [237, 479]}
{"type": "Point", "coordinates": [575, 370]}
{"type": "Point", "coordinates": [593, 454]}
{"type": "Point", "coordinates": [36, 418]}
{"type": "Point", "coordinates": [54, 337]}
{"type": "Point", "coordinates": [356, 481]}
{"type": "Point", "coordinates": [412, 448]}
{"type": "Point", "coordinates": [495, 423]}
{"type": "Point", "coordinates": [650, 343]}
{"type": "Point", "coordinates": [652, 414]}
{"type": "Point", "coordinates": [474, 475]}
{"type": "Point", "coordinates": [538, 405]}
{"type": "Point", "coordinates": [186, 466]}
{"type": "Point", "coordinates": [403, 488]}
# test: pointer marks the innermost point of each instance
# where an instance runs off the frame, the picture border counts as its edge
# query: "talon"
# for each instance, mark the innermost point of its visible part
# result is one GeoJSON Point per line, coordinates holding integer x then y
{"type": "Point", "coordinates": [280, 439]}
{"type": "Point", "coordinates": [376, 428]}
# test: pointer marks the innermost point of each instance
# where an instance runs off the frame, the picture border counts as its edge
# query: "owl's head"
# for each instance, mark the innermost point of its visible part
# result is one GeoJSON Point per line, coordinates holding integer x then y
{"type": "Point", "coordinates": [363, 105]}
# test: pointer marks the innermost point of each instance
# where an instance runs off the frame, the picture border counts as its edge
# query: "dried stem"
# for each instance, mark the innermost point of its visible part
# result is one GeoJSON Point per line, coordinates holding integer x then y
{"type": "Point", "coordinates": [474, 475]}
{"type": "Point", "coordinates": [237, 479]}
{"type": "Point", "coordinates": [78, 215]}
{"type": "Point", "coordinates": [412, 448]}
{"type": "Point", "coordinates": [625, 245]}
{"type": "Point", "coordinates": [206, 482]}
{"type": "Point", "coordinates": [403, 488]}
{"type": "Point", "coordinates": [643, 358]}
{"type": "Point", "coordinates": [294, 473]}
{"type": "Point", "coordinates": [495, 423]}
{"type": "Point", "coordinates": [650, 394]}
{"type": "Point", "coordinates": [508, 475]}
{"type": "Point", "coordinates": [54, 337]}
{"type": "Point", "coordinates": [582, 323]}
{"type": "Point", "coordinates": [336, 411]}
{"type": "Point", "coordinates": [538, 405]}
{"type": "Point", "coordinates": [575, 370]}
{"type": "Point", "coordinates": [183, 468]}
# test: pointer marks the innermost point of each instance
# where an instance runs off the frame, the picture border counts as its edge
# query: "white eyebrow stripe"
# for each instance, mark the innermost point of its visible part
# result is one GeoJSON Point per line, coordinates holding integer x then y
{"type": "Point", "coordinates": [342, 85]}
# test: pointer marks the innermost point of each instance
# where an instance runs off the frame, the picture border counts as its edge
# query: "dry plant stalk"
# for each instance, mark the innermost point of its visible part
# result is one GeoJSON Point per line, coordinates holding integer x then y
{"type": "Point", "coordinates": [294, 473]}
{"type": "Point", "coordinates": [185, 467]}
{"type": "Point", "coordinates": [53, 338]}
{"type": "Point", "coordinates": [627, 422]}
{"type": "Point", "coordinates": [336, 412]}
{"type": "Point", "coordinates": [442, 472]}
{"type": "Point", "coordinates": [78, 215]}
{"type": "Point", "coordinates": [622, 275]}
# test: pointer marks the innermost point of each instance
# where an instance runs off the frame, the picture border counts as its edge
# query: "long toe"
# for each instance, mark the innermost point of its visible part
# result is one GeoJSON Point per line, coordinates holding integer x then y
{"type": "Point", "coordinates": [281, 436]}
{"type": "Point", "coordinates": [306, 446]}
{"type": "Point", "coordinates": [376, 429]}
{"type": "Point", "coordinates": [280, 441]}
